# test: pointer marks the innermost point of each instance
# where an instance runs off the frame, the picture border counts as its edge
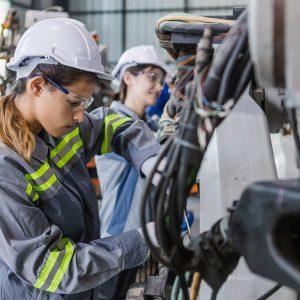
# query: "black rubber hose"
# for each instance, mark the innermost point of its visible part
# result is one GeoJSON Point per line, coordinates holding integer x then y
{"type": "Point", "coordinates": [214, 76]}
{"type": "Point", "coordinates": [293, 121]}
{"type": "Point", "coordinates": [161, 218]}
{"type": "Point", "coordinates": [244, 80]}
{"type": "Point", "coordinates": [155, 252]}
{"type": "Point", "coordinates": [230, 67]}
{"type": "Point", "coordinates": [270, 292]}
{"type": "Point", "coordinates": [213, 295]}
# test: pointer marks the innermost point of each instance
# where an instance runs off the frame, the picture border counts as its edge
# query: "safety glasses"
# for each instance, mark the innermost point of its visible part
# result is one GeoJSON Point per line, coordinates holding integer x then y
{"type": "Point", "coordinates": [76, 102]}
{"type": "Point", "coordinates": [153, 77]}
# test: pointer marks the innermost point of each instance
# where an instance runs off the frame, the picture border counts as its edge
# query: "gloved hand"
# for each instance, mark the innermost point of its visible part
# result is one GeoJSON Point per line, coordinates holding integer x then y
{"type": "Point", "coordinates": [150, 227]}
{"type": "Point", "coordinates": [167, 126]}
{"type": "Point", "coordinates": [168, 130]}
{"type": "Point", "coordinates": [174, 106]}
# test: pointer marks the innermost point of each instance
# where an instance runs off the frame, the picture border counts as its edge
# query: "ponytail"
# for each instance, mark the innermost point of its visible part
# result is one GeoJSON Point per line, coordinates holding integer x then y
{"type": "Point", "coordinates": [14, 131]}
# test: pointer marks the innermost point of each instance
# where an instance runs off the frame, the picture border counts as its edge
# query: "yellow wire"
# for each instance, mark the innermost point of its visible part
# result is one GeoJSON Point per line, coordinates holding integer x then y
{"type": "Point", "coordinates": [195, 286]}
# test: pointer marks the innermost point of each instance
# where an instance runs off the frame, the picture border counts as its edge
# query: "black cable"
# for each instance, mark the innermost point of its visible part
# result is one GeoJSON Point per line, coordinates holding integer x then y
{"type": "Point", "coordinates": [293, 121]}
{"type": "Point", "coordinates": [244, 80]}
{"type": "Point", "coordinates": [174, 219]}
{"type": "Point", "coordinates": [177, 198]}
{"type": "Point", "coordinates": [214, 294]}
{"type": "Point", "coordinates": [184, 80]}
{"type": "Point", "coordinates": [230, 67]}
{"type": "Point", "coordinates": [214, 77]}
{"type": "Point", "coordinates": [240, 66]}
{"type": "Point", "coordinates": [183, 162]}
{"type": "Point", "coordinates": [165, 230]}
{"type": "Point", "coordinates": [168, 226]}
{"type": "Point", "coordinates": [155, 252]}
{"type": "Point", "coordinates": [270, 292]}
{"type": "Point", "coordinates": [177, 252]}
{"type": "Point", "coordinates": [184, 286]}
{"type": "Point", "coordinates": [161, 214]}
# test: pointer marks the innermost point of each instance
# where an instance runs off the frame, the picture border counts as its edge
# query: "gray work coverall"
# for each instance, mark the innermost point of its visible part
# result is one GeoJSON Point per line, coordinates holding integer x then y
{"type": "Point", "coordinates": [49, 224]}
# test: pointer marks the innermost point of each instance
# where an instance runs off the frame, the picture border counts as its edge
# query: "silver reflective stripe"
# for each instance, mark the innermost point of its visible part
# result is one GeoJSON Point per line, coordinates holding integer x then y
{"type": "Point", "coordinates": [112, 123]}
{"type": "Point", "coordinates": [67, 148]}
{"type": "Point", "coordinates": [55, 266]}
{"type": "Point", "coordinates": [42, 179]}
{"type": "Point", "coordinates": [33, 195]}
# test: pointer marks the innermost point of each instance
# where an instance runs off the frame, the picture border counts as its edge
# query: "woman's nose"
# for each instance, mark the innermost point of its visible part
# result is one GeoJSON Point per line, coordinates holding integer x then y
{"type": "Point", "coordinates": [78, 115]}
{"type": "Point", "coordinates": [158, 86]}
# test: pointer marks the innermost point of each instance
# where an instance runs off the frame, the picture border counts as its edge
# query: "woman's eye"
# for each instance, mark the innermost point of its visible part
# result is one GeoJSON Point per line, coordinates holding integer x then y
{"type": "Point", "coordinates": [74, 104]}
{"type": "Point", "coordinates": [153, 77]}
{"type": "Point", "coordinates": [156, 78]}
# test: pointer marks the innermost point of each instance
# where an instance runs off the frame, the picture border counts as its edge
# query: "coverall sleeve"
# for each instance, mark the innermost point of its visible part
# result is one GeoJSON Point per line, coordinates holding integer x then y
{"type": "Point", "coordinates": [35, 250]}
{"type": "Point", "coordinates": [104, 131]}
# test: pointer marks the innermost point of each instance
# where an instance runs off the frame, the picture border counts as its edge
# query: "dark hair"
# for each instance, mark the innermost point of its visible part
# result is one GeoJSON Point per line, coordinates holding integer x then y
{"type": "Point", "coordinates": [133, 70]}
{"type": "Point", "coordinates": [61, 74]}
{"type": "Point", "coordinates": [14, 130]}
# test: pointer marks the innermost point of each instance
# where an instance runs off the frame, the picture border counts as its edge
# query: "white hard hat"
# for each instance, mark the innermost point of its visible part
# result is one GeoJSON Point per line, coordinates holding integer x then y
{"type": "Point", "coordinates": [139, 55]}
{"type": "Point", "coordinates": [53, 41]}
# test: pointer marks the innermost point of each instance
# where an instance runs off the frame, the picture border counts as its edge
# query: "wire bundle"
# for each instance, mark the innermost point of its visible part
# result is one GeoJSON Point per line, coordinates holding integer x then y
{"type": "Point", "coordinates": [183, 153]}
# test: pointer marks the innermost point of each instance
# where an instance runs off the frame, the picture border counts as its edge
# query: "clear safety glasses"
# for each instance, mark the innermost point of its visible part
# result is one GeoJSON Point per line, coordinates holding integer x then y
{"type": "Point", "coordinates": [153, 77]}
{"type": "Point", "coordinates": [76, 102]}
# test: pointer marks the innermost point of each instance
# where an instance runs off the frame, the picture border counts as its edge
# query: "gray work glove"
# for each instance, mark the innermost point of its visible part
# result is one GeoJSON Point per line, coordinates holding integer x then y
{"type": "Point", "coordinates": [167, 126]}
{"type": "Point", "coordinates": [168, 131]}
{"type": "Point", "coordinates": [174, 106]}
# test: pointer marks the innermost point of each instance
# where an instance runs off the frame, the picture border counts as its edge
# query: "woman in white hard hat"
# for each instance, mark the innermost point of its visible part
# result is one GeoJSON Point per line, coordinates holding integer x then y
{"type": "Point", "coordinates": [49, 223]}
{"type": "Point", "coordinates": [140, 73]}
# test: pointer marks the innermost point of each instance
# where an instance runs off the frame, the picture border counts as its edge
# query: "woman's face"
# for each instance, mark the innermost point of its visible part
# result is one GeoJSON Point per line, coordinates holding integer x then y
{"type": "Point", "coordinates": [54, 110]}
{"type": "Point", "coordinates": [146, 86]}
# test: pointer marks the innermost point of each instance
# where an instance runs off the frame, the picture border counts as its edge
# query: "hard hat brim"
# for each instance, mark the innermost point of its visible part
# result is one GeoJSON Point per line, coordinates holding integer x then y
{"type": "Point", "coordinates": [105, 76]}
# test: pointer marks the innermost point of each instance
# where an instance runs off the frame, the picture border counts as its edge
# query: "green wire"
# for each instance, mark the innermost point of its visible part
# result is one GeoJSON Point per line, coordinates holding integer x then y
{"type": "Point", "coordinates": [177, 293]}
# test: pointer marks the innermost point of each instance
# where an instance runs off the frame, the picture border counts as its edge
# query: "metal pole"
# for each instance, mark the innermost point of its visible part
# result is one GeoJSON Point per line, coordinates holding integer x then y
{"type": "Point", "coordinates": [186, 6]}
{"type": "Point", "coordinates": [63, 3]}
{"type": "Point", "coordinates": [33, 4]}
{"type": "Point", "coordinates": [124, 15]}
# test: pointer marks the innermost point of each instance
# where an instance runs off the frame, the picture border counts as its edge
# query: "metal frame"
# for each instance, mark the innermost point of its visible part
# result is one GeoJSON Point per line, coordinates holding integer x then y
{"type": "Point", "coordinates": [185, 8]}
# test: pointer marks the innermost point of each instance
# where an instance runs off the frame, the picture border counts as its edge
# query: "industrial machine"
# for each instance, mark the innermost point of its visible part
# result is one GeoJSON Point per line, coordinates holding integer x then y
{"type": "Point", "coordinates": [229, 100]}
{"type": "Point", "coordinates": [33, 16]}
{"type": "Point", "coordinates": [9, 35]}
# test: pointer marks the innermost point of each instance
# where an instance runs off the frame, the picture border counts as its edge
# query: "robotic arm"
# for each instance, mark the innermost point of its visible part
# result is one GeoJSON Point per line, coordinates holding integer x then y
{"type": "Point", "coordinates": [263, 226]}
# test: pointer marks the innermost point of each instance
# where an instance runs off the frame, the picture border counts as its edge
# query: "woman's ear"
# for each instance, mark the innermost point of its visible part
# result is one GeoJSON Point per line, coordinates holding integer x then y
{"type": "Point", "coordinates": [127, 78]}
{"type": "Point", "coordinates": [35, 85]}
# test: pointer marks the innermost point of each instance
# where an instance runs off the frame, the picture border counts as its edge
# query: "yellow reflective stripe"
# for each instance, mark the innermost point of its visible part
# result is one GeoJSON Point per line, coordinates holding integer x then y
{"type": "Point", "coordinates": [63, 266]}
{"type": "Point", "coordinates": [107, 120]}
{"type": "Point", "coordinates": [119, 123]}
{"type": "Point", "coordinates": [47, 268]}
{"type": "Point", "coordinates": [114, 126]}
{"type": "Point", "coordinates": [70, 154]}
{"type": "Point", "coordinates": [36, 196]}
{"type": "Point", "coordinates": [37, 174]}
{"type": "Point", "coordinates": [46, 185]}
{"type": "Point", "coordinates": [65, 140]}
{"type": "Point", "coordinates": [29, 189]}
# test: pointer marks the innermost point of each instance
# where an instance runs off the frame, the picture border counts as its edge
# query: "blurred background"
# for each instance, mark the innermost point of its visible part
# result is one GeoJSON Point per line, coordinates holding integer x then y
{"type": "Point", "coordinates": [121, 24]}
